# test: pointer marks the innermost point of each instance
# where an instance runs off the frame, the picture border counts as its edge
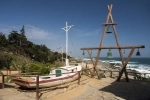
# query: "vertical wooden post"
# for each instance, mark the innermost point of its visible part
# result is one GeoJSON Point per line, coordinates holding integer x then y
{"type": "Point", "coordinates": [110, 73]}
{"type": "Point", "coordinates": [99, 74]}
{"type": "Point", "coordinates": [7, 74]}
{"type": "Point", "coordinates": [9, 71]}
{"type": "Point", "coordinates": [79, 77]}
{"type": "Point", "coordinates": [37, 87]}
{"type": "Point", "coordinates": [86, 68]}
{"type": "Point", "coordinates": [3, 81]}
{"type": "Point", "coordinates": [86, 65]}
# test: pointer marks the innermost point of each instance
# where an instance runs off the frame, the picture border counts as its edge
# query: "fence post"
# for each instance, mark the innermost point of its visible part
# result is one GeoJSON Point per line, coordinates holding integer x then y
{"type": "Point", "coordinates": [86, 67]}
{"type": "Point", "coordinates": [3, 81]}
{"type": "Point", "coordinates": [37, 87]}
{"type": "Point", "coordinates": [7, 73]}
{"type": "Point", "coordinates": [79, 77]}
{"type": "Point", "coordinates": [111, 74]}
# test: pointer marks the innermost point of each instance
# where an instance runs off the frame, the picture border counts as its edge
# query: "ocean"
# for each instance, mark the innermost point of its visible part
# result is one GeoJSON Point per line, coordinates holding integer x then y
{"type": "Point", "coordinates": [137, 63]}
{"type": "Point", "coordinates": [140, 63]}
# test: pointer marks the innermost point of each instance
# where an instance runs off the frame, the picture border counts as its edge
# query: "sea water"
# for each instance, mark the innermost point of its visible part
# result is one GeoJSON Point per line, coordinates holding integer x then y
{"type": "Point", "coordinates": [134, 63]}
{"type": "Point", "coordinates": [138, 64]}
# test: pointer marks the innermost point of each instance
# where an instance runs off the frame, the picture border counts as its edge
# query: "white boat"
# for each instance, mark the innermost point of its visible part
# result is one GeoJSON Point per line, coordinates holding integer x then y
{"type": "Point", "coordinates": [57, 76]}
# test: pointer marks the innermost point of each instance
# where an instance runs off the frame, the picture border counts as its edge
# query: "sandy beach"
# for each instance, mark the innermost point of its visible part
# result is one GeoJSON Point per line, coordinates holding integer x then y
{"type": "Point", "coordinates": [92, 89]}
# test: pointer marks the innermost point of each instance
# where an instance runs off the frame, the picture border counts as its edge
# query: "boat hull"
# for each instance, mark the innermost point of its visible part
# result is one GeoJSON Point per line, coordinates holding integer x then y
{"type": "Point", "coordinates": [45, 83]}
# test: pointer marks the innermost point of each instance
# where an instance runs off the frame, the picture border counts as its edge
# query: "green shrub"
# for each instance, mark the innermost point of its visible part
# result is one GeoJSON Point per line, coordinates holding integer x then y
{"type": "Point", "coordinates": [23, 68]}
{"type": "Point", "coordinates": [44, 70]}
{"type": "Point", "coordinates": [34, 68]}
{"type": "Point", "coordinates": [52, 65]}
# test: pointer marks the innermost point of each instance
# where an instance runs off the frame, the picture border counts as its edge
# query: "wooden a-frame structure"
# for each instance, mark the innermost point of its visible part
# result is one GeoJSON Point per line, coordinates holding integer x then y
{"type": "Point", "coordinates": [110, 22]}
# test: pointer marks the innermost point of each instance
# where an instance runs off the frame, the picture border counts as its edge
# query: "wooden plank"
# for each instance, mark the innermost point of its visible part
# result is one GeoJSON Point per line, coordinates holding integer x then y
{"type": "Point", "coordinates": [124, 66]}
{"type": "Point", "coordinates": [113, 47]}
{"type": "Point", "coordinates": [106, 24]}
{"type": "Point", "coordinates": [3, 81]}
{"type": "Point", "coordinates": [79, 77]}
{"type": "Point", "coordinates": [37, 87]}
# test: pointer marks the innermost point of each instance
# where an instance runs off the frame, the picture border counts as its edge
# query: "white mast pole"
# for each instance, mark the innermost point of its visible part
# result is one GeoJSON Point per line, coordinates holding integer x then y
{"type": "Point", "coordinates": [66, 41]}
{"type": "Point", "coordinates": [66, 29]}
{"type": "Point", "coordinates": [62, 54]}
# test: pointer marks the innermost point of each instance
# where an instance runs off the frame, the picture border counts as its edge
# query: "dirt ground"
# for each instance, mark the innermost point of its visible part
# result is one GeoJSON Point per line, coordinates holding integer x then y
{"type": "Point", "coordinates": [94, 89]}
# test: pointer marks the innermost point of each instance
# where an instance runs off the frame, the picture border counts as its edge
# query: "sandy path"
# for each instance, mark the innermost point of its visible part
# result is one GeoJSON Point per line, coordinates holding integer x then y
{"type": "Point", "coordinates": [69, 95]}
{"type": "Point", "coordinates": [81, 92]}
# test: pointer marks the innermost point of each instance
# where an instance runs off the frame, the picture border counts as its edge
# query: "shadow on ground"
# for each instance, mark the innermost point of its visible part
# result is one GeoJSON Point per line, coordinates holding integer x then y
{"type": "Point", "coordinates": [132, 90]}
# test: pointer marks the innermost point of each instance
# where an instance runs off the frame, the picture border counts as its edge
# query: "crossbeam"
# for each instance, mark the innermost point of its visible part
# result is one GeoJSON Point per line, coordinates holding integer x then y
{"type": "Point", "coordinates": [105, 24]}
{"type": "Point", "coordinates": [113, 47]}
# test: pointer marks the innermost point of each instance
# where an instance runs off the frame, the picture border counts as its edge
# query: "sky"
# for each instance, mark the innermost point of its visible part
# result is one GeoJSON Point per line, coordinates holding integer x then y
{"type": "Point", "coordinates": [43, 20]}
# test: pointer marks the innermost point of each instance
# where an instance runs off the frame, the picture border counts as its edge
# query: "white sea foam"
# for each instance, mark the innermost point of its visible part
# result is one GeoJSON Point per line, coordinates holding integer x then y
{"type": "Point", "coordinates": [136, 66]}
{"type": "Point", "coordinates": [132, 65]}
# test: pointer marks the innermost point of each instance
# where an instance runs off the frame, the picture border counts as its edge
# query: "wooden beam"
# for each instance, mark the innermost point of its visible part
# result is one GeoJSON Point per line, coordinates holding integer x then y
{"type": "Point", "coordinates": [90, 57]}
{"type": "Point", "coordinates": [94, 67]}
{"type": "Point", "coordinates": [105, 24]}
{"type": "Point", "coordinates": [3, 81]}
{"type": "Point", "coordinates": [79, 77]}
{"type": "Point", "coordinates": [102, 39]}
{"type": "Point", "coordinates": [124, 66]}
{"type": "Point", "coordinates": [113, 47]}
{"type": "Point", "coordinates": [37, 87]}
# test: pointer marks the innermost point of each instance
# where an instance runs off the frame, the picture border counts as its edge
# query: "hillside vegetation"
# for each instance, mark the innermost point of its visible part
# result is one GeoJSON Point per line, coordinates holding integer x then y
{"type": "Point", "coordinates": [18, 53]}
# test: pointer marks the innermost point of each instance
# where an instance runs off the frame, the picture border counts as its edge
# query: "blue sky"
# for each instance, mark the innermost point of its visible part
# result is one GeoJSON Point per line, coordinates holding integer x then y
{"type": "Point", "coordinates": [43, 20]}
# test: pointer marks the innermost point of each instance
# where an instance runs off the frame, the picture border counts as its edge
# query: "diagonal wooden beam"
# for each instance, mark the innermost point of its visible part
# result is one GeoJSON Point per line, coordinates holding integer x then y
{"type": "Point", "coordinates": [90, 56]}
{"type": "Point", "coordinates": [94, 68]}
{"type": "Point", "coordinates": [102, 39]}
{"type": "Point", "coordinates": [124, 66]}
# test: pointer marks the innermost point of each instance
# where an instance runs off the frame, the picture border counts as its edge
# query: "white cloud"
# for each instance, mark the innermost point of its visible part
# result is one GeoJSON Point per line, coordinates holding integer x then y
{"type": "Point", "coordinates": [31, 32]}
{"type": "Point", "coordinates": [38, 34]}
{"type": "Point", "coordinates": [7, 29]}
